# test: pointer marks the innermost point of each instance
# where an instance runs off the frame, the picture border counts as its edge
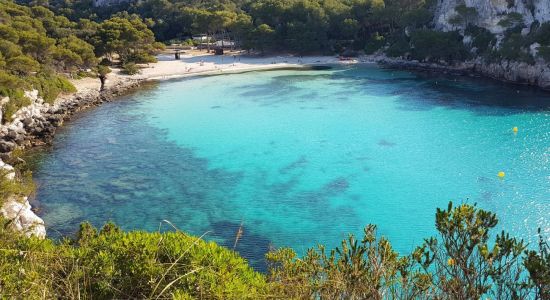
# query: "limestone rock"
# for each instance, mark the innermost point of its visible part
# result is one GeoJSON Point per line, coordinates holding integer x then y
{"type": "Point", "coordinates": [22, 218]}
{"type": "Point", "coordinates": [491, 12]}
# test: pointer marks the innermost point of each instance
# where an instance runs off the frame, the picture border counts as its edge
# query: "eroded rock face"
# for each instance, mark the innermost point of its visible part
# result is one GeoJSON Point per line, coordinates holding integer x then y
{"type": "Point", "coordinates": [491, 12]}
{"type": "Point", "coordinates": [519, 72]}
{"type": "Point", "coordinates": [22, 218]}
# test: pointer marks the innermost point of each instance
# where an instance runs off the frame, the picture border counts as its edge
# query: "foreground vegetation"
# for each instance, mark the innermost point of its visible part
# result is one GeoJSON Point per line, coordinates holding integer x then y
{"type": "Point", "coordinates": [463, 262]}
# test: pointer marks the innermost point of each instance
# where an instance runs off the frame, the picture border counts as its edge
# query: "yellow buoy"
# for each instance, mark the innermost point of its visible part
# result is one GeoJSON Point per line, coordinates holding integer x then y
{"type": "Point", "coordinates": [501, 174]}
{"type": "Point", "coordinates": [515, 130]}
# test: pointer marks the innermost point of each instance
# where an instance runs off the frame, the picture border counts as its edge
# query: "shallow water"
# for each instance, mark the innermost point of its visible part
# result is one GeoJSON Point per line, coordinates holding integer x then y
{"type": "Point", "coordinates": [302, 157]}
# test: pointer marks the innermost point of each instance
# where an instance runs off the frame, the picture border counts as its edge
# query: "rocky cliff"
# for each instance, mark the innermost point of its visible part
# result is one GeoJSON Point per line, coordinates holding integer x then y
{"type": "Point", "coordinates": [491, 12]}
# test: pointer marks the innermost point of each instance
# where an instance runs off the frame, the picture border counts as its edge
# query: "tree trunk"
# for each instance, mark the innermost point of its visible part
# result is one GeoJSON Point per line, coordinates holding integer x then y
{"type": "Point", "coordinates": [102, 79]}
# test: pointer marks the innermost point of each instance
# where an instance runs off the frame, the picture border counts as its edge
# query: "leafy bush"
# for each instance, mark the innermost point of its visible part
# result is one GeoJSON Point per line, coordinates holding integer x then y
{"type": "Point", "coordinates": [435, 46]}
{"type": "Point", "coordinates": [460, 263]}
{"type": "Point", "coordinates": [512, 19]}
{"type": "Point", "coordinates": [514, 47]}
{"type": "Point", "coordinates": [111, 264]}
{"type": "Point", "coordinates": [22, 186]}
{"type": "Point", "coordinates": [375, 42]}
{"type": "Point", "coordinates": [130, 68]}
{"type": "Point", "coordinates": [398, 47]}
{"type": "Point", "coordinates": [537, 264]}
{"type": "Point", "coordinates": [542, 35]}
{"type": "Point", "coordinates": [544, 52]}
{"type": "Point", "coordinates": [49, 86]}
{"type": "Point", "coordinates": [17, 100]}
{"type": "Point", "coordinates": [482, 38]}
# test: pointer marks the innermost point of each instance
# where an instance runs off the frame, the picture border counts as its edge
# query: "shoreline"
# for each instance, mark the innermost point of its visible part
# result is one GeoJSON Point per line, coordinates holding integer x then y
{"type": "Point", "coordinates": [36, 124]}
{"type": "Point", "coordinates": [509, 72]}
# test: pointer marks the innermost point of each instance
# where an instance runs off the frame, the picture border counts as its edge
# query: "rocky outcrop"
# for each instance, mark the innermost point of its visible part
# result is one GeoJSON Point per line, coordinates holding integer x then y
{"type": "Point", "coordinates": [516, 72]}
{"type": "Point", "coordinates": [22, 218]}
{"type": "Point", "coordinates": [509, 71]}
{"type": "Point", "coordinates": [491, 12]}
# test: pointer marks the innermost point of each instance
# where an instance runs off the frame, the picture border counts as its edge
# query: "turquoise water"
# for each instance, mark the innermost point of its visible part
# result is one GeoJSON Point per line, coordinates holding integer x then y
{"type": "Point", "coordinates": [302, 157]}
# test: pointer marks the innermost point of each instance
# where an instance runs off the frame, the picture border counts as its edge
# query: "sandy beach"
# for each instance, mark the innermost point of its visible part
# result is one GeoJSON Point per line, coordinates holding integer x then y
{"type": "Point", "coordinates": [201, 63]}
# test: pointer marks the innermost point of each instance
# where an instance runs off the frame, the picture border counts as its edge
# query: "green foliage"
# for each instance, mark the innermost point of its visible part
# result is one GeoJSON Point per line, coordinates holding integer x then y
{"type": "Point", "coordinates": [16, 101]}
{"type": "Point", "coordinates": [302, 26]}
{"type": "Point", "coordinates": [482, 39]}
{"type": "Point", "coordinates": [399, 47]}
{"type": "Point", "coordinates": [374, 43]}
{"type": "Point", "coordinates": [112, 264]}
{"type": "Point", "coordinates": [103, 70]}
{"type": "Point", "coordinates": [537, 264]}
{"type": "Point", "coordinates": [465, 14]}
{"type": "Point", "coordinates": [127, 37]}
{"type": "Point", "coordinates": [35, 46]}
{"type": "Point", "coordinates": [512, 19]}
{"type": "Point", "coordinates": [514, 47]}
{"type": "Point", "coordinates": [417, 17]}
{"type": "Point", "coordinates": [460, 263]}
{"type": "Point", "coordinates": [130, 68]}
{"type": "Point", "coordinates": [544, 53]}
{"type": "Point", "coordinates": [22, 65]}
{"type": "Point", "coordinates": [463, 263]}
{"type": "Point", "coordinates": [366, 269]}
{"type": "Point", "coordinates": [49, 86]}
{"type": "Point", "coordinates": [21, 186]}
{"type": "Point", "coordinates": [435, 46]}
{"type": "Point", "coordinates": [542, 34]}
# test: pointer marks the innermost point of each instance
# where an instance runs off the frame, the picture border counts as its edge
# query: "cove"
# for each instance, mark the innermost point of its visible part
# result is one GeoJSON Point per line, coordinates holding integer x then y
{"type": "Point", "coordinates": [302, 157]}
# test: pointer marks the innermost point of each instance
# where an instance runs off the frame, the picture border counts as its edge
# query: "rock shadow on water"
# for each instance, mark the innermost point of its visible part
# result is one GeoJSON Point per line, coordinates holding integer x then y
{"type": "Point", "coordinates": [481, 96]}
{"type": "Point", "coordinates": [297, 164]}
{"type": "Point", "coordinates": [385, 143]}
{"type": "Point", "coordinates": [422, 91]}
{"type": "Point", "coordinates": [336, 186]}
{"type": "Point", "coordinates": [250, 245]}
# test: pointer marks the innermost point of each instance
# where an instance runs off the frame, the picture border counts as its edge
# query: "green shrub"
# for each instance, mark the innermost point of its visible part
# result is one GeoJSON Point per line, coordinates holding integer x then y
{"type": "Point", "coordinates": [111, 264]}
{"type": "Point", "coordinates": [482, 38]}
{"type": "Point", "coordinates": [21, 186]}
{"type": "Point", "coordinates": [398, 47]}
{"type": "Point", "coordinates": [512, 19]}
{"type": "Point", "coordinates": [542, 35]}
{"type": "Point", "coordinates": [16, 102]}
{"type": "Point", "coordinates": [514, 47]}
{"type": "Point", "coordinates": [435, 46]}
{"type": "Point", "coordinates": [49, 86]}
{"type": "Point", "coordinates": [130, 68]}
{"type": "Point", "coordinates": [544, 53]}
{"type": "Point", "coordinates": [375, 42]}
{"type": "Point", "coordinates": [463, 262]}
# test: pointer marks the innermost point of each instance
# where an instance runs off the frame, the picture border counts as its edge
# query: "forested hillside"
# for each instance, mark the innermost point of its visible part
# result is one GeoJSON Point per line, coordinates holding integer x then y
{"type": "Point", "coordinates": [402, 28]}
{"type": "Point", "coordinates": [40, 50]}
